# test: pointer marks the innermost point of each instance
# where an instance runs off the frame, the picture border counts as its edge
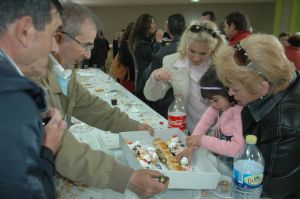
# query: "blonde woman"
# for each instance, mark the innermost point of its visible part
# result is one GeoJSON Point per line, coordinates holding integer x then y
{"type": "Point", "coordinates": [183, 70]}
{"type": "Point", "coordinates": [264, 81]}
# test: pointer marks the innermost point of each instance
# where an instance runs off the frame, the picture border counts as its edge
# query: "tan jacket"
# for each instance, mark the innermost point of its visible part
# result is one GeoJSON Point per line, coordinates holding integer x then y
{"type": "Point", "coordinates": [77, 161]}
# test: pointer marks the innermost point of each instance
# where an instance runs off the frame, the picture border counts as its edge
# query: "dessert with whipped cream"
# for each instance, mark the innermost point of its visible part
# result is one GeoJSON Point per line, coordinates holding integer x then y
{"type": "Point", "coordinates": [162, 155]}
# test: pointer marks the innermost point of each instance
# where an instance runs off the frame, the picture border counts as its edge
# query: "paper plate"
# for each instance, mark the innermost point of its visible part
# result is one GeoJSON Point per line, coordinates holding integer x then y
{"type": "Point", "coordinates": [223, 189]}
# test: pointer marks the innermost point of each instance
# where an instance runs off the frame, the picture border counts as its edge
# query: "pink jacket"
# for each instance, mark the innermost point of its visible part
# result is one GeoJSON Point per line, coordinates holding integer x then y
{"type": "Point", "coordinates": [229, 123]}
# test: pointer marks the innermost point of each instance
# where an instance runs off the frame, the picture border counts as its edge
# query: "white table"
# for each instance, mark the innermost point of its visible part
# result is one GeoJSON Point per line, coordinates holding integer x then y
{"type": "Point", "coordinates": [95, 79]}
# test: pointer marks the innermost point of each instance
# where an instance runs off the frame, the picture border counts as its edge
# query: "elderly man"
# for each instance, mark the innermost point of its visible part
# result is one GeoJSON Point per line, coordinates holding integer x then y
{"type": "Point", "coordinates": [75, 160]}
{"type": "Point", "coordinates": [27, 148]}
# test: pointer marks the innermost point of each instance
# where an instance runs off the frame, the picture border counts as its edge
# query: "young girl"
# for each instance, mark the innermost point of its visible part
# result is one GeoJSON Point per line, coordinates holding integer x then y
{"type": "Point", "coordinates": [225, 113]}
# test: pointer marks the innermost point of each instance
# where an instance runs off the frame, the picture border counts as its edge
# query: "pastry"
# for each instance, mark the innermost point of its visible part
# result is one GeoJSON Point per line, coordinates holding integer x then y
{"type": "Point", "coordinates": [165, 155]}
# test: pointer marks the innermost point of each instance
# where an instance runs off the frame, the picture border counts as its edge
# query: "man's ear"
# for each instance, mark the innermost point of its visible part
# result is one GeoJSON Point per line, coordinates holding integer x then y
{"type": "Point", "coordinates": [59, 37]}
{"type": "Point", "coordinates": [25, 31]}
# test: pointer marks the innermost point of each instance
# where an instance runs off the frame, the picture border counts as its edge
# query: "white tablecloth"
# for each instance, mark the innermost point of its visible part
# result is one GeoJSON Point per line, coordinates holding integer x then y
{"type": "Point", "coordinates": [106, 88]}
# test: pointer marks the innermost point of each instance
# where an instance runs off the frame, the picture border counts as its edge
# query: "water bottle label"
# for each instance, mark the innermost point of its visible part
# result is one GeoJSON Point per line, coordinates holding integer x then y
{"type": "Point", "coordinates": [247, 181]}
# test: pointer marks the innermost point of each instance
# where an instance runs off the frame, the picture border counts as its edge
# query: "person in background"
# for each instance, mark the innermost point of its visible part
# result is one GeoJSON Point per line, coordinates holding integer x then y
{"type": "Point", "coordinates": [221, 29]}
{"type": "Point", "coordinates": [236, 27]}
{"type": "Point", "coordinates": [283, 38]}
{"type": "Point", "coordinates": [144, 42]}
{"type": "Point", "coordinates": [27, 146]}
{"type": "Point", "coordinates": [99, 51]}
{"type": "Point", "coordinates": [183, 70]}
{"type": "Point", "coordinates": [225, 114]}
{"type": "Point", "coordinates": [208, 15]}
{"type": "Point", "coordinates": [264, 81]}
{"type": "Point", "coordinates": [292, 51]}
{"type": "Point", "coordinates": [175, 28]}
{"type": "Point", "coordinates": [116, 42]}
{"type": "Point", "coordinates": [77, 161]}
{"type": "Point", "coordinates": [126, 59]}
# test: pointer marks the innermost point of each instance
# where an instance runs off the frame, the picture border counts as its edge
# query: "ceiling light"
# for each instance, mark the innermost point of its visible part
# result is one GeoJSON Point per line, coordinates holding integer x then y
{"type": "Point", "coordinates": [194, 1]}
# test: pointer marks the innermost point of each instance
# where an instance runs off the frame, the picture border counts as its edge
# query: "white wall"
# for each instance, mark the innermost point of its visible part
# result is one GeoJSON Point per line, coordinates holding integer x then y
{"type": "Point", "coordinates": [114, 18]}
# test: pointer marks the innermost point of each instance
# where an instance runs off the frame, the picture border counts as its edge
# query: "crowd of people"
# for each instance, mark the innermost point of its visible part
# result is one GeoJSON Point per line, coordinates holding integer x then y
{"type": "Point", "coordinates": [233, 82]}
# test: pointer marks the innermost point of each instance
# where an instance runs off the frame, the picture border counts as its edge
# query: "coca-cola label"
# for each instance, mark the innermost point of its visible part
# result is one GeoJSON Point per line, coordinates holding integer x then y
{"type": "Point", "coordinates": [177, 122]}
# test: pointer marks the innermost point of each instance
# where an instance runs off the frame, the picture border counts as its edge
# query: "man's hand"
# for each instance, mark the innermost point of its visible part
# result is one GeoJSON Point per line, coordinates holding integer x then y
{"type": "Point", "coordinates": [145, 183]}
{"type": "Point", "coordinates": [54, 130]}
{"type": "Point", "coordinates": [145, 127]}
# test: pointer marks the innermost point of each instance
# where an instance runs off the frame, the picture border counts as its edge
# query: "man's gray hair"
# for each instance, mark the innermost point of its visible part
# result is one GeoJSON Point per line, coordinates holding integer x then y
{"type": "Point", "coordinates": [74, 15]}
{"type": "Point", "coordinates": [38, 10]}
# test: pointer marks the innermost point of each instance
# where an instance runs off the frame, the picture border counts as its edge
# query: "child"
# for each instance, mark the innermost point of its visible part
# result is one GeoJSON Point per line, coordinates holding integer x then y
{"type": "Point", "coordinates": [225, 113]}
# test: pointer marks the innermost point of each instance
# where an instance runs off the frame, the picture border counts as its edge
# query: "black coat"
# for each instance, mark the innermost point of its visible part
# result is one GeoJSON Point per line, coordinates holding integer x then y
{"type": "Point", "coordinates": [26, 167]}
{"type": "Point", "coordinates": [157, 62]}
{"type": "Point", "coordinates": [127, 60]}
{"type": "Point", "coordinates": [276, 122]}
{"type": "Point", "coordinates": [143, 54]}
{"type": "Point", "coordinates": [99, 52]}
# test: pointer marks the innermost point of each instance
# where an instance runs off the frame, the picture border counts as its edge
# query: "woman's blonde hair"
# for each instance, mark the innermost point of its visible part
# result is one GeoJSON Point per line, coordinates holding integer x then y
{"type": "Point", "coordinates": [201, 36]}
{"type": "Point", "coordinates": [267, 53]}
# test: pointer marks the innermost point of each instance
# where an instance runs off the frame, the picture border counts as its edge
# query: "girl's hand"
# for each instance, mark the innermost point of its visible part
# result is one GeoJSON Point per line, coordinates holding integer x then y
{"type": "Point", "coordinates": [188, 152]}
{"type": "Point", "coordinates": [194, 141]}
{"type": "Point", "coordinates": [162, 74]}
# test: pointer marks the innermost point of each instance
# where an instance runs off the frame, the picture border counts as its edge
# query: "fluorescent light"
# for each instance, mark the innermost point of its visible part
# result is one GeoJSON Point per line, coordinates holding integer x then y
{"type": "Point", "coordinates": [194, 1]}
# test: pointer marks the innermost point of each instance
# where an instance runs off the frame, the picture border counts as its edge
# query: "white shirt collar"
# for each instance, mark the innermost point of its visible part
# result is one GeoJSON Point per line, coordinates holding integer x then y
{"type": "Point", "coordinates": [60, 71]}
{"type": "Point", "coordinates": [182, 63]}
{"type": "Point", "coordinates": [12, 62]}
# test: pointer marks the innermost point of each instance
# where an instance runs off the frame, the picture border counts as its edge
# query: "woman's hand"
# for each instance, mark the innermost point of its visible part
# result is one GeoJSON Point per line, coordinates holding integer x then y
{"type": "Point", "coordinates": [159, 35]}
{"type": "Point", "coordinates": [162, 74]}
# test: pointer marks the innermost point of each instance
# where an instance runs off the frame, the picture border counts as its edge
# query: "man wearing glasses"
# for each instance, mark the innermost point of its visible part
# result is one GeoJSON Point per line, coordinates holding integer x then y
{"type": "Point", "coordinates": [76, 161]}
{"type": "Point", "coordinates": [86, 46]}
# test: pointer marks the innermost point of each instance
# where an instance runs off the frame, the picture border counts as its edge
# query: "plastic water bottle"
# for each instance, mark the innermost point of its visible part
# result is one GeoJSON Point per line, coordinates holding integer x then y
{"type": "Point", "coordinates": [248, 171]}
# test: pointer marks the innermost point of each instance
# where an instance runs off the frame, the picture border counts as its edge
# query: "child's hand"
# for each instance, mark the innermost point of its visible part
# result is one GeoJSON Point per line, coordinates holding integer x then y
{"type": "Point", "coordinates": [194, 141]}
{"type": "Point", "coordinates": [188, 152]}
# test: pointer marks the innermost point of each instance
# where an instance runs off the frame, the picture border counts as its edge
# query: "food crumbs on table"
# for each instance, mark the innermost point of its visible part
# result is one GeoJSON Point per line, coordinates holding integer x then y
{"type": "Point", "coordinates": [205, 193]}
{"type": "Point", "coordinates": [99, 90]}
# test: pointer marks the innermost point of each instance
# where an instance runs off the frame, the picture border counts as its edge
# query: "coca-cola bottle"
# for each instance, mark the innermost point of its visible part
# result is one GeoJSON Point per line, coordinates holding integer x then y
{"type": "Point", "coordinates": [177, 114]}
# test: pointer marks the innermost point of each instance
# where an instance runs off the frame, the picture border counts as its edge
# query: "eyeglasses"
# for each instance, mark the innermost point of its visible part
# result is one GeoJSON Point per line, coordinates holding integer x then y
{"type": "Point", "coordinates": [86, 47]}
{"type": "Point", "coordinates": [198, 28]}
{"type": "Point", "coordinates": [241, 58]}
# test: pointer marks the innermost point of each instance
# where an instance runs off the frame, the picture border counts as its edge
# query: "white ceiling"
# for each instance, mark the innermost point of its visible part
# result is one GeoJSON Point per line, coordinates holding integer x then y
{"type": "Point", "coordinates": [157, 2]}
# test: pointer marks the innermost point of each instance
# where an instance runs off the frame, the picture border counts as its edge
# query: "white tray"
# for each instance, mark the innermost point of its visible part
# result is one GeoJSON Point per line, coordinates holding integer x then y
{"type": "Point", "coordinates": [205, 175]}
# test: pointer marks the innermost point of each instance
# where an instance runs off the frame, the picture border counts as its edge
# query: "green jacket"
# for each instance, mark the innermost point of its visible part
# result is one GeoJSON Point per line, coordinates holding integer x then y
{"type": "Point", "coordinates": [77, 161]}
